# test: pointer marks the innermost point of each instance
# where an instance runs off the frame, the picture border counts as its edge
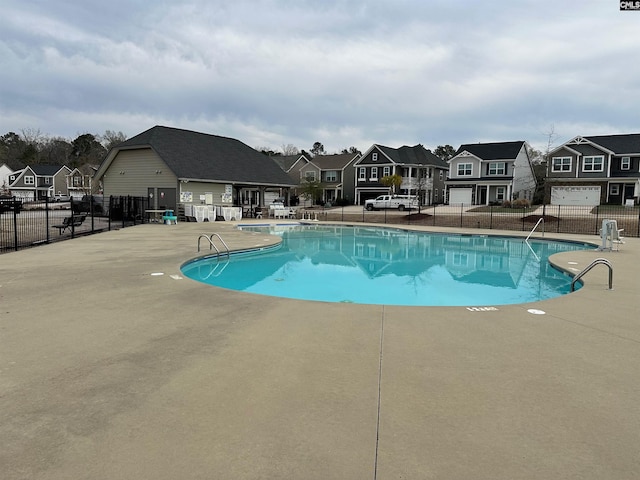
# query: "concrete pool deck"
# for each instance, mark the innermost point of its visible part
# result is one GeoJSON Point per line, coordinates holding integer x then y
{"type": "Point", "coordinates": [110, 372]}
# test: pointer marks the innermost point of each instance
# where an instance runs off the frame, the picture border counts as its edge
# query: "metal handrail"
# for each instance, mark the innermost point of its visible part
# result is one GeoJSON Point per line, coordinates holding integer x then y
{"type": "Point", "coordinates": [212, 244]}
{"type": "Point", "coordinates": [541, 220]}
{"type": "Point", "coordinates": [597, 261]}
{"type": "Point", "coordinates": [221, 240]}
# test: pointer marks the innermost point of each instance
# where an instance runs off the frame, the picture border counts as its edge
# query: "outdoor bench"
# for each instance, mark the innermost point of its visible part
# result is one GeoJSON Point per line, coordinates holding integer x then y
{"type": "Point", "coordinates": [70, 222]}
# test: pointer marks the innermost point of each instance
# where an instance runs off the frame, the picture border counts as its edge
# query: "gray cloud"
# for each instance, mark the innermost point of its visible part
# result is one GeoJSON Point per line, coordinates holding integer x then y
{"type": "Point", "coordinates": [345, 73]}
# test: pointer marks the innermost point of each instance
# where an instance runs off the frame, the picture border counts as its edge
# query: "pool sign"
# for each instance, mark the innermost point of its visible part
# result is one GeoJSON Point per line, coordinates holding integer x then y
{"type": "Point", "coordinates": [629, 5]}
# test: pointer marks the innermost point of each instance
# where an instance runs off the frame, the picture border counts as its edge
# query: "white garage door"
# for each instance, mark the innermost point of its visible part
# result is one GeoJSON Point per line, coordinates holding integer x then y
{"type": "Point", "coordinates": [460, 195]}
{"type": "Point", "coordinates": [575, 195]}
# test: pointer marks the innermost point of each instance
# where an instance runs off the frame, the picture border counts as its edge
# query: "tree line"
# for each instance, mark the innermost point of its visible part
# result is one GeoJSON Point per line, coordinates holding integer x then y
{"type": "Point", "coordinates": [445, 152]}
{"type": "Point", "coordinates": [31, 147]}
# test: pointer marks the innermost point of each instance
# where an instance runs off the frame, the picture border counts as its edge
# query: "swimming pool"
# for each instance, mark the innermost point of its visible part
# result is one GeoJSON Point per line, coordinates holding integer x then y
{"type": "Point", "coordinates": [379, 265]}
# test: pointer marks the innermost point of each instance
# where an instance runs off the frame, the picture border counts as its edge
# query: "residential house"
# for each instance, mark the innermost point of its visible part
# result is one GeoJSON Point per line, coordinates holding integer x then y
{"type": "Point", "coordinates": [5, 172]}
{"type": "Point", "coordinates": [37, 182]}
{"type": "Point", "coordinates": [335, 173]}
{"type": "Point", "coordinates": [79, 183]}
{"type": "Point", "coordinates": [595, 170]}
{"type": "Point", "coordinates": [489, 173]}
{"type": "Point", "coordinates": [422, 172]}
{"type": "Point", "coordinates": [172, 167]}
{"type": "Point", "coordinates": [292, 164]}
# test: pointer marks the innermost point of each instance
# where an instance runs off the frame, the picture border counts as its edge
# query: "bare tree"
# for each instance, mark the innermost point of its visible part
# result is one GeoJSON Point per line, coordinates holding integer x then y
{"type": "Point", "coordinates": [290, 149]}
{"type": "Point", "coordinates": [110, 139]}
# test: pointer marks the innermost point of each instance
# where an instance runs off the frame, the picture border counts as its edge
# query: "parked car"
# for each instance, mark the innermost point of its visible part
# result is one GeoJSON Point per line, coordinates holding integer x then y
{"type": "Point", "coordinates": [9, 204]}
{"type": "Point", "coordinates": [59, 197]}
{"type": "Point", "coordinates": [401, 202]}
{"type": "Point", "coordinates": [84, 204]}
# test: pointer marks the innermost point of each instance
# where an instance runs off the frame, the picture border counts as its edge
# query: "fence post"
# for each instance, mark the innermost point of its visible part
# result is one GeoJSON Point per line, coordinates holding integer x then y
{"type": "Point", "coordinates": [461, 211]}
{"type": "Point", "coordinates": [558, 225]}
{"type": "Point", "coordinates": [597, 218]}
{"type": "Point", "coordinates": [490, 217]}
{"type": "Point", "coordinates": [15, 224]}
{"type": "Point", "coordinates": [46, 216]}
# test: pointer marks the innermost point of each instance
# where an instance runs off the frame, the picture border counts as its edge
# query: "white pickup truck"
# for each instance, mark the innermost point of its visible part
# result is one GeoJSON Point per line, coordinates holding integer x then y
{"type": "Point", "coordinates": [401, 202]}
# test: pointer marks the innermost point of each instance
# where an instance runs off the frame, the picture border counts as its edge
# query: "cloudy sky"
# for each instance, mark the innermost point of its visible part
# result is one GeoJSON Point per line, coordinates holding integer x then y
{"type": "Point", "coordinates": [342, 72]}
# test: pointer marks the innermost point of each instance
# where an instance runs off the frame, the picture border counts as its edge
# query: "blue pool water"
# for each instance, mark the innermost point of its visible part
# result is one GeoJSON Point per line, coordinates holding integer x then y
{"type": "Point", "coordinates": [376, 265]}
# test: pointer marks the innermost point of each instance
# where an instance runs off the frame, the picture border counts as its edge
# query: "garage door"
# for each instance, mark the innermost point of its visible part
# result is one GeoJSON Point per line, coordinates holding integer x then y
{"type": "Point", "coordinates": [459, 196]}
{"type": "Point", "coordinates": [575, 195]}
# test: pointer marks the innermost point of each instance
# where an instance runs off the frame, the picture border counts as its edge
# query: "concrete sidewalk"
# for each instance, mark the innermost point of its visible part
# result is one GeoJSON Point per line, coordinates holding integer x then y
{"type": "Point", "coordinates": [110, 372]}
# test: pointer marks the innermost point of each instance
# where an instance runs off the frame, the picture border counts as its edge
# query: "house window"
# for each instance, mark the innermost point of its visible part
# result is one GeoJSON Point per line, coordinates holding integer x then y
{"type": "Point", "coordinates": [496, 168]}
{"type": "Point", "coordinates": [500, 194]}
{"type": "Point", "coordinates": [561, 164]}
{"type": "Point", "coordinates": [460, 259]}
{"type": "Point", "coordinates": [374, 173]}
{"type": "Point", "coordinates": [386, 171]}
{"type": "Point", "coordinates": [593, 164]}
{"type": "Point", "coordinates": [310, 176]}
{"type": "Point", "coordinates": [362, 173]}
{"type": "Point", "coordinates": [29, 180]}
{"type": "Point", "coordinates": [625, 163]}
{"type": "Point", "coordinates": [331, 176]}
{"type": "Point", "coordinates": [614, 189]}
{"type": "Point", "coordinates": [76, 181]}
{"type": "Point", "coordinates": [12, 178]}
{"type": "Point", "coordinates": [465, 169]}
{"type": "Point", "coordinates": [374, 157]}
{"type": "Point", "coordinates": [435, 194]}
{"type": "Point", "coordinates": [47, 180]}
{"type": "Point", "coordinates": [441, 176]}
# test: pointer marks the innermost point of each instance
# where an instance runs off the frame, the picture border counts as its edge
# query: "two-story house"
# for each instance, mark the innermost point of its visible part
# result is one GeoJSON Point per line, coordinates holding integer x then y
{"type": "Point", "coordinates": [37, 182]}
{"type": "Point", "coordinates": [594, 170]}
{"type": "Point", "coordinates": [292, 165]}
{"type": "Point", "coordinates": [79, 183]}
{"type": "Point", "coordinates": [334, 172]}
{"type": "Point", "coordinates": [422, 172]}
{"type": "Point", "coordinates": [485, 173]}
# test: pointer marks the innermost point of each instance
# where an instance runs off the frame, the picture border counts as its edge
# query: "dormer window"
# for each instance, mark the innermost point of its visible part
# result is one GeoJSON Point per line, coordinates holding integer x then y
{"type": "Point", "coordinates": [29, 180]}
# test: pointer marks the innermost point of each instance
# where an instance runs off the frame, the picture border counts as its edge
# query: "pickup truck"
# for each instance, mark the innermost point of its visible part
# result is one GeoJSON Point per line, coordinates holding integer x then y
{"type": "Point", "coordinates": [401, 202]}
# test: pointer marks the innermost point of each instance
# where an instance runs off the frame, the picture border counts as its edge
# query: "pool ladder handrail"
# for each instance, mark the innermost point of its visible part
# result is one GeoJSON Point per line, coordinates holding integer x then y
{"type": "Point", "coordinates": [212, 244]}
{"type": "Point", "coordinates": [540, 221]}
{"type": "Point", "coordinates": [597, 261]}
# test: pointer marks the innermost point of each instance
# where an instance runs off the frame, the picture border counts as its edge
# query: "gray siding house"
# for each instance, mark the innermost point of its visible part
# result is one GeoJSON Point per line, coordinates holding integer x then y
{"type": "Point", "coordinates": [175, 167]}
{"type": "Point", "coordinates": [422, 172]}
{"type": "Point", "coordinates": [595, 170]}
{"type": "Point", "coordinates": [484, 173]}
{"type": "Point", "coordinates": [335, 173]}
{"type": "Point", "coordinates": [38, 182]}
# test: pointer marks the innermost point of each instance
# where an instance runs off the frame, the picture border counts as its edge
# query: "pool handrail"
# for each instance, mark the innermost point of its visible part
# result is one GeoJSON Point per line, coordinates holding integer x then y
{"type": "Point", "coordinates": [597, 261]}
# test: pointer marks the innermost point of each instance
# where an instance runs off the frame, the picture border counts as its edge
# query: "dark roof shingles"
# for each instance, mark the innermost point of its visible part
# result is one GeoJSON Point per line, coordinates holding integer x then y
{"type": "Point", "coordinates": [203, 156]}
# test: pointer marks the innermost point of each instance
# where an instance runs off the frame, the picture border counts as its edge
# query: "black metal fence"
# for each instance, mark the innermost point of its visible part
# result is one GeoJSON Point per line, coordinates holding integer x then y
{"type": "Point", "coordinates": [28, 224]}
{"type": "Point", "coordinates": [557, 219]}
